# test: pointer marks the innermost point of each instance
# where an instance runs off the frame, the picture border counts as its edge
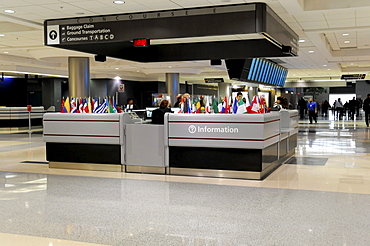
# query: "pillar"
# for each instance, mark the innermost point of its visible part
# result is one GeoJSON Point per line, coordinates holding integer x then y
{"type": "Point", "coordinates": [253, 91]}
{"type": "Point", "coordinates": [173, 85]}
{"type": "Point", "coordinates": [79, 76]}
{"type": "Point", "coordinates": [224, 89]}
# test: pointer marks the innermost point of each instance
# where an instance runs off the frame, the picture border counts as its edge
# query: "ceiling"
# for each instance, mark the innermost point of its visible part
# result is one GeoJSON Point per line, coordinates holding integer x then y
{"type": "Point", "coordinates": [336, 36]}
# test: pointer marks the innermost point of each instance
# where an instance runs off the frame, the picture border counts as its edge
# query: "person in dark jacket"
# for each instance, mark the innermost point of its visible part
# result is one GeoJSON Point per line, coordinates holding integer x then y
{"type": "Point", "coordinates": [302, 105]}
{"type": "Point", "coordinates": [366, 107]}
{"type": "Point", "coordinates": [158, 114]}
{"type": "Point", "coordinates": [178, 101]}
{"type": "Point", "coordinates": [325, 108]}
{"type": "Point", "coordinates": [130, 105]}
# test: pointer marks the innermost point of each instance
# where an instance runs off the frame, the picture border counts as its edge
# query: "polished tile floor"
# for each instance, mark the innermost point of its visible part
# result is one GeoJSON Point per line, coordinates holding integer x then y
{"type": "Point", "coordinates": [301, 203]}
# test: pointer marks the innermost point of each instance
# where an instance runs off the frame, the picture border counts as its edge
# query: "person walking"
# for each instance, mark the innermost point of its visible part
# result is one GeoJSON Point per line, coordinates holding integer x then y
{"type": "Point", "coordinates": [366, 107]}
{"type": "Point", "coordinates": [325, 108]}
{"type": "Point", "coordinates": [339, 108]}
{"type": "Point", "coordinates": [312, 110]}
{"type": "Point", "coordinates": [302, 105]}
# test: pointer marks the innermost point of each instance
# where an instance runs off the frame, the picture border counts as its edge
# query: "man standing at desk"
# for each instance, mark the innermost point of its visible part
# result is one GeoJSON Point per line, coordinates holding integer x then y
{"type": "Point", "coordinates": [312, 110]}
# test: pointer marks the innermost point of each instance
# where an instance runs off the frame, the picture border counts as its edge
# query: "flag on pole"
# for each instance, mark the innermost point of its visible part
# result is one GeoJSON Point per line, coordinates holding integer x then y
{"type": "Point", "coordinates": [89, 106]}
{"type": "Point", "coordinates": [102, 107]}
{"type": "Point", "coordinates": [225, 106]}
{"type": "Point", "coordinates": [215, 105]}
{"type": "Point", "coordinates": [114, 105]}
{"type": "Point", "coordinates": [235, 105]}
{"type": "Point", "coordinates": [255, 107]}
{"type": "Point", "coordinates": [110, 105]}
{"type": "Point", "coordinates": [62, 106]}
{"type": "Point", "coordinates": [241, 107]}
{"type": "Point", "coordinates": [80, 105]}
{"type": "Point", "coordinates": [86, 105]}
{"type": "Point", "coordinates": [73, 105]}
{"type": "Point", "coordinates": [66, 106]}
{"type": "Point", "coordinates": [96, 104]}
{"type": "Point", "coordinates": [189, 111]}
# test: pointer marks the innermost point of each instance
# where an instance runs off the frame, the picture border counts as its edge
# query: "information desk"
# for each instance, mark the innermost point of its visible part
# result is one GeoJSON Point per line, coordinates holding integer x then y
{"type": "Point", "coordinates": [19, 116]}
{"type": "Point", "coordinates": [223, 145]}
{"type": "Point", "coordinates": [248, 146]}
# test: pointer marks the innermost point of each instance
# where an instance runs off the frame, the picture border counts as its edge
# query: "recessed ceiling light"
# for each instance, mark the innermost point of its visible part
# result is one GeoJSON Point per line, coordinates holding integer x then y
{"type": "Point", "coordinates": [117, 68]}
{"type": "Point", "coordinates": [169, 66]}
{"type": "Point", "coordinates": [2, 35]}
{"type": "Point", "coordinates": [301, 41]}
{"type": "Point", "coordinates": [345, 34]}
{"type": "Point", "coordinates": [346, 42]}
{"type": "Point", "coordinates": [138, 71]}
{"type": "Point", "coordinates": [329, 69]}
{"type": "Point", "coordinates": [118, 2]}
{"type": "Point", "coordinates": [311, 51]}
{"type": "Point", "coordinates": [325, 65]}
{"type": "Point", "coordinates": [6, 52]}
{"type": "Point", "coordinates": [9, 11]}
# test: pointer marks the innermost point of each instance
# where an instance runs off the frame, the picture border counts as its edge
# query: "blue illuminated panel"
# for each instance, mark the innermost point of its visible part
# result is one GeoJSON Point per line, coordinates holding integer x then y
{"type": "Point", "coordinates": [266, 72]}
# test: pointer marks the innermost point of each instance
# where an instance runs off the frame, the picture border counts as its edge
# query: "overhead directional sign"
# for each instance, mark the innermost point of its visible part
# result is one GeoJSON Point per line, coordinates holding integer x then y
{"type": "Point", "coordinates": [353, 76]}
{"type": "Point", "coordinates": [214, 80]}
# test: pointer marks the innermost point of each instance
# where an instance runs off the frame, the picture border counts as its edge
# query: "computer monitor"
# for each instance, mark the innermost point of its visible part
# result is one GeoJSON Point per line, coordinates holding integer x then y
{"type": "Point", "coordinates": [149, 111]}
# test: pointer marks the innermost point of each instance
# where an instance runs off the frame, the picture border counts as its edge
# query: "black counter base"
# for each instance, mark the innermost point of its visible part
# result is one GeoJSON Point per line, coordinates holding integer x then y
{"type": "Point", "coordinates": [254, 164]}
{"type": "Point", "coordinates": [83, 153]}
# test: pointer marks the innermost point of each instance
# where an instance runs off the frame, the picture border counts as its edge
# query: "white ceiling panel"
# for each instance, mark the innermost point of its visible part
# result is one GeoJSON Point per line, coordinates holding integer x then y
{"type": "Point", "coordinates": [90, 4]}
{"type": "Point", "coordinates": [162, 5]}
{"type": "Point", "coordinates": [314, 25]}
{"type": "Point", "coordinates": [14, 3]}
{"type": "Point", "coordinates": [191, 3]}
{"type": "Point", "coordinates": [365, 21]}
{"type": "Point", "coordinates": [310, 17]}
{"type": "Point", "coordinates": [340, 15]}
{"type": "Point", "coordinates": [341, 23]}
{"type": "Point", "coordinates": [363, 12]}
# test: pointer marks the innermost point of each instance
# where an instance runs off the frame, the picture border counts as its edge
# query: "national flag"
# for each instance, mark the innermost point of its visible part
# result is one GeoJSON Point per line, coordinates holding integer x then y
{"type": "Point", "coordinates": [101, 108]}
{"type": "Point", "coordinates": [80, 105]}
{"type": "Point", "coordinates": [67, 106]}
{"type": "Point", "coordinates": [225, 106]}
{"type": "Point", "coordinates": [241, 107]}
{"type": "Point", "coordinates": [263, 105]}
{"type": "Point", "coordinates": [62, 106]}
{"type": "Point", "coordinates": [189, 111]}
{"type": "Point", "coordinates": [110, 105]}
{"type": "Point", "coordinates": [182, 106]}
{"type": "Point", "coordinates": [86, 105]}
{"type": "Point", "coordinates": [115, 105]}
{"type": "Point", "coordinates": [215, 105]}
{"type": "Point", "coordinates": [96, 104]}
{"type": "Point", "coordinates": [89, 106]}
{"type": "Point", "coordinates": [198, 107]}
{"type": "Point", "coordinates": [235, 105]}
{"type": "Point", "coordinates": [255, 107]}
{"type": "Point", "coordinates": [73, 105]}
{"type": "Point", "coordinates": [208, 109]}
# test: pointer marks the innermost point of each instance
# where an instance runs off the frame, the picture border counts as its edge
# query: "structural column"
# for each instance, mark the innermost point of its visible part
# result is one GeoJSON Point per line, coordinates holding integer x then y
{"type": "Point", "coordinates": [224, 89]}
{"type": "Point", "coordinates": [253, 91]}
{"type": "Point", "coordinates": [173, 85]}
{"type": "Point", "coordinates": [79, 76]}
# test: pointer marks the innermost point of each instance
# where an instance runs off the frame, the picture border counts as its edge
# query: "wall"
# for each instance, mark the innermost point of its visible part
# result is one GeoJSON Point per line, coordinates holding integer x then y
{"type": "Point", "coordinates": [13, 92]}
{"type": "Point", "coordinates": [362, 89]}
{"type": "Point", "coordinates": [52, 92]}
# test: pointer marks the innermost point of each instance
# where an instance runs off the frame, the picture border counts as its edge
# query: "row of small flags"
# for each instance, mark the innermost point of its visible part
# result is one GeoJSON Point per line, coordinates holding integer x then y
{"type": "Point", "coordinates": [88, 105]}
{"type": "Point", "coordinates": [225, 106]}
